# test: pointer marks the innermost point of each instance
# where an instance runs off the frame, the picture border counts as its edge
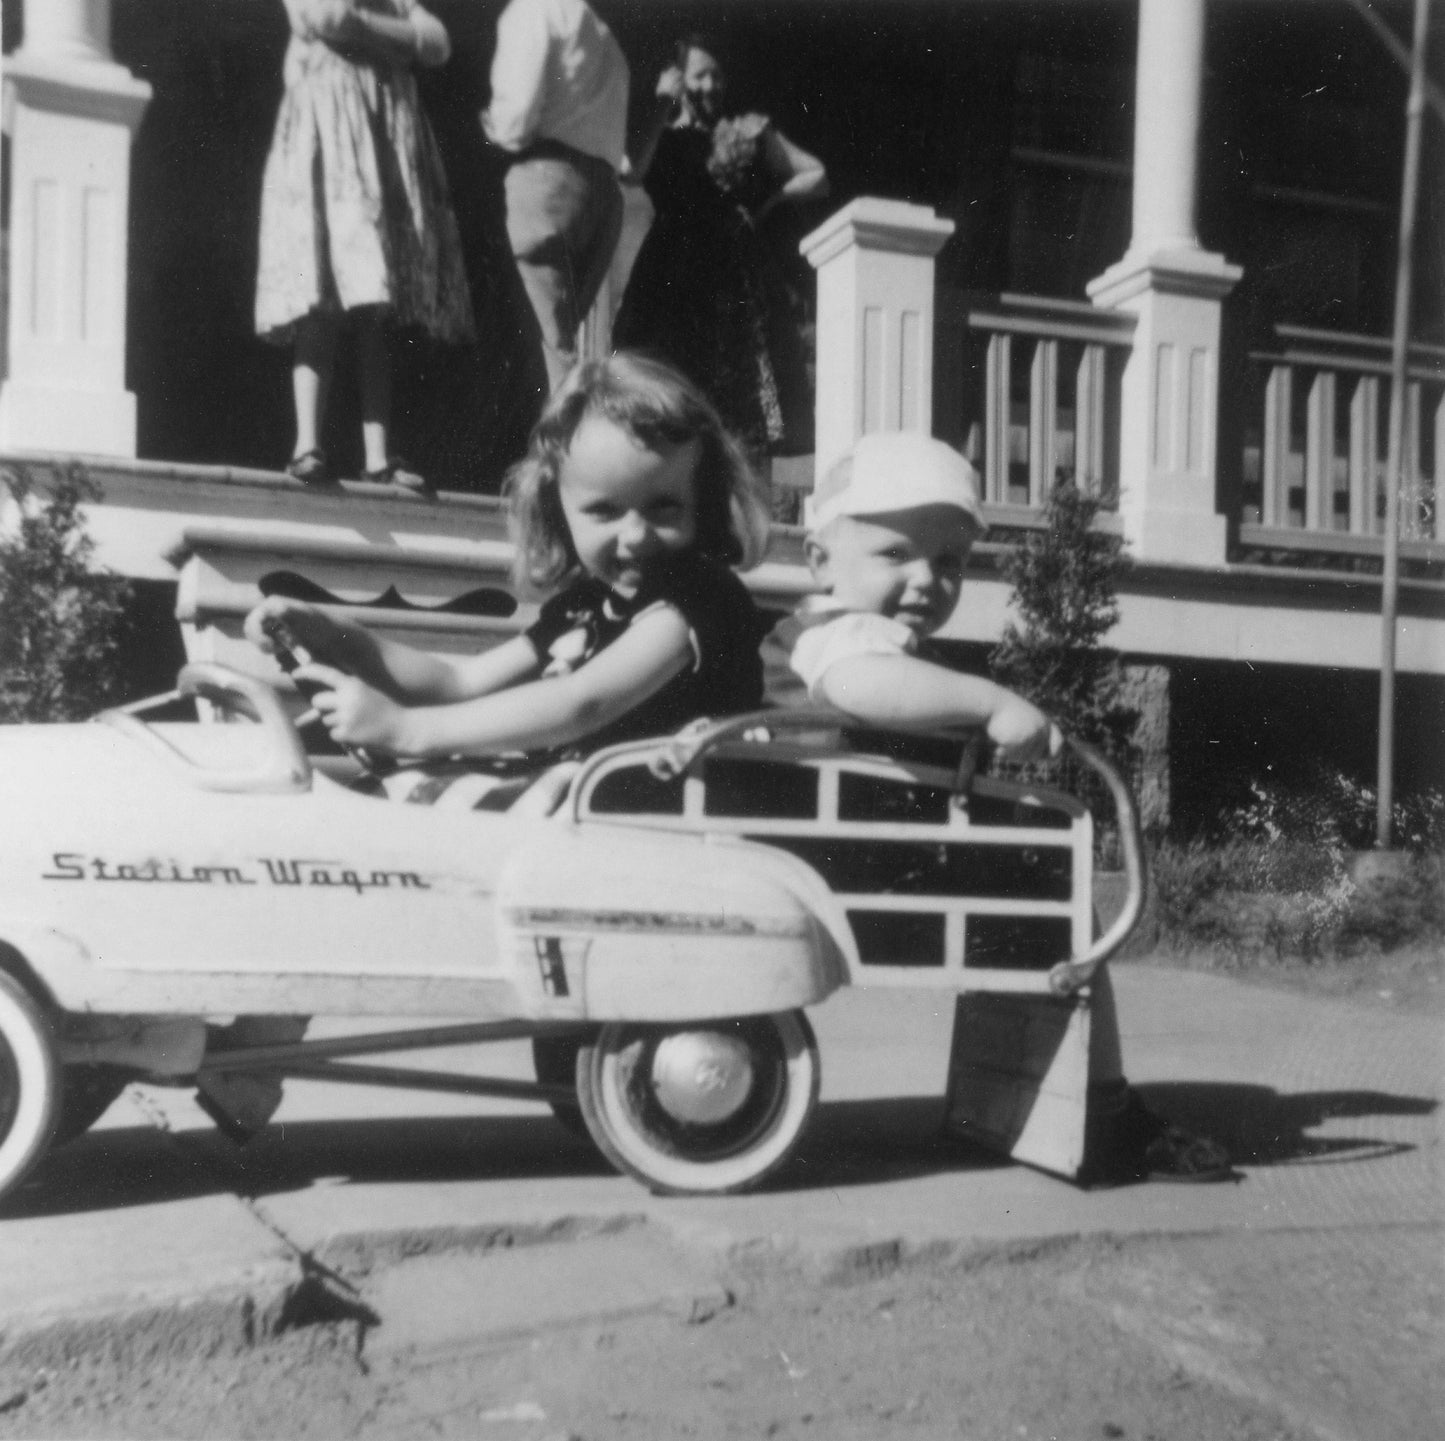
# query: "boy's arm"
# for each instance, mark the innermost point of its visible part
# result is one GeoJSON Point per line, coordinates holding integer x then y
{"type": "Point", "coordinates": [903, 692]}
{"type": "Point", "coordinates": [550, 712]}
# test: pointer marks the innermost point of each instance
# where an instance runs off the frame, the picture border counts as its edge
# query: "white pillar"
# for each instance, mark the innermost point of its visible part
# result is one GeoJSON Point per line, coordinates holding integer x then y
{"type": "Point", "coordinates": [70, 112]}
{"type": "Point", "coordinates": [1169, 425]}
{"type": "Point", "coordinates": [874, 260]}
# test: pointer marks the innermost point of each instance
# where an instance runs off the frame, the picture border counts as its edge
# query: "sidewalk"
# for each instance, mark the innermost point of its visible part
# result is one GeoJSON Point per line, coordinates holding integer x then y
{"type": "Point", "coordinates": [155, 1222]}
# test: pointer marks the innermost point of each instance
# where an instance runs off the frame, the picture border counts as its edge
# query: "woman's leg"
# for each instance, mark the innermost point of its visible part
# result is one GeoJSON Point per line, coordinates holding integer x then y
{"type": "Point", "coordinates": [375, 375]}
{"type": "Point", "coordinates": [374, 358]}
{"type": "Point", "coordinates": [312, 367]}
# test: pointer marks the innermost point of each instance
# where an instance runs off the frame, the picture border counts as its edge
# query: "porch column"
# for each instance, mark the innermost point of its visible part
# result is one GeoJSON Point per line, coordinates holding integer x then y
{"type": "Point", "coordinates": [874, 260]}
{"type": "Point", "coordinates": [1169, 425]}
{"type": "Point", "coordinates": [70, 112]}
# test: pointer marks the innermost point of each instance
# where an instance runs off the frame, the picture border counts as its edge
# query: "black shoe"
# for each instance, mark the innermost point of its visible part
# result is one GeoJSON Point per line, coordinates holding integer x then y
{"type": "Point", "coordinates": [310, 468]}
{"type": "Point", "coordinates": [398, 473]}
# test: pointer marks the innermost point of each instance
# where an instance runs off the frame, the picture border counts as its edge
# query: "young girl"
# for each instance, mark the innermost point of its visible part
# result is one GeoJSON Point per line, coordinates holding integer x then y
{"type": "Point", "coordinates": [356, 221]}
{"type": "Point", "coordinates": [632, 504]}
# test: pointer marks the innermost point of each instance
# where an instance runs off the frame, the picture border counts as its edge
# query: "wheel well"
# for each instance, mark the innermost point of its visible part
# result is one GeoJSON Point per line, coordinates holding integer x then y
{"type": "Point", "coordinates": [14, 965]}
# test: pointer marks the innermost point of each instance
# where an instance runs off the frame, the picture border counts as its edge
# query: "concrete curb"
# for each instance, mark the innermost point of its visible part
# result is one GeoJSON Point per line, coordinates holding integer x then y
{"type": "Point", "coordinates": [226, 1315]}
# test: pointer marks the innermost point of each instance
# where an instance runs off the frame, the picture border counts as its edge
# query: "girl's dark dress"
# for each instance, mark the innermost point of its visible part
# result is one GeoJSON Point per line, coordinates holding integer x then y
{"type": "Point", "coordinates": [708, 296]}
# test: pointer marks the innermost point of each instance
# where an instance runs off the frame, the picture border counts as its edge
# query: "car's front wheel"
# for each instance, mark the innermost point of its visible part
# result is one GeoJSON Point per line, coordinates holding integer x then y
{"type": "Point", "coordinates": [703, 1109]}
{"type": "Point", "coordinates": [29, 1083]}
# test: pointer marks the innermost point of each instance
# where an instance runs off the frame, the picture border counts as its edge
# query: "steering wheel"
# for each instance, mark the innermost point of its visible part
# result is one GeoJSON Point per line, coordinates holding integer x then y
{"type": "Point", "coordinates": [291, 654]}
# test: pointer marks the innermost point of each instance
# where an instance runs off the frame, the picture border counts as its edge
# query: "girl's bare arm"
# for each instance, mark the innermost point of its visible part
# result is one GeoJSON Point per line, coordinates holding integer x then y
{"type": "Point", "coordinates": [407, 675]}
{"type": "Point", "coordinates": [550, 712]}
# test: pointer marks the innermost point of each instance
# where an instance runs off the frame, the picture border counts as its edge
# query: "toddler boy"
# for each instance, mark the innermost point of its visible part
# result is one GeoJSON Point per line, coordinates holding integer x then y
{"type": "Point", "coordinates": [891, 526]}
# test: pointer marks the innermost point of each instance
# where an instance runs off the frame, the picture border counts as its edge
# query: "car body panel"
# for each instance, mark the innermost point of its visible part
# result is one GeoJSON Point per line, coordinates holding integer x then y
{"type": "Point", "coordinates": [139, 891]}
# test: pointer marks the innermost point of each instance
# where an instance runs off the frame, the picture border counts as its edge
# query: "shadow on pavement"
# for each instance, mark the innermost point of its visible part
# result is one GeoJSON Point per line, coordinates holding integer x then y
{"type": "Point", "coordinates": [849, 1143]}
{"type": "Point", "coordinates": [139, 1166]}
{"type": "Point", "coordinates": [864, 1143]}
{"type": "Point", "coordinates": [1262, 1127]}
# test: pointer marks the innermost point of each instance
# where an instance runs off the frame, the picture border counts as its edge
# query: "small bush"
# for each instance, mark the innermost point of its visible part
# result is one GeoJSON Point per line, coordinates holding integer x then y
{"type": "Point", "coordinates": [1251, 898]}
{"type": "Point", "coordinates": [1065, 581]}
{"type": "Point", "coordinates": [1331, 810]}
{"type": "Point", "coordinates": [60, 619]}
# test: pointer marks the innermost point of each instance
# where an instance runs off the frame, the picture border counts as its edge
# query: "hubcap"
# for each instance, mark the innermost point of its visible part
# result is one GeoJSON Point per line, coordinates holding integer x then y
{"type": "Point", "coordinates": [702, 1077]}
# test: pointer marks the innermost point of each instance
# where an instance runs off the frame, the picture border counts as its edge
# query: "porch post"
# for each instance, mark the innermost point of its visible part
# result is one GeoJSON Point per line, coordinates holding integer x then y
{"type": "Point", "coordinates": [874, 260]}
{"type": "Point", "coordinates": [1169, 424]}
{"type": "Point", "coordinates": [70, 112]}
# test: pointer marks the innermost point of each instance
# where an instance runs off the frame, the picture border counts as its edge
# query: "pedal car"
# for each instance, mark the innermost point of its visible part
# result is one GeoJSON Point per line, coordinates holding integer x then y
{"type": "Point", "coordinates": [656, 920]}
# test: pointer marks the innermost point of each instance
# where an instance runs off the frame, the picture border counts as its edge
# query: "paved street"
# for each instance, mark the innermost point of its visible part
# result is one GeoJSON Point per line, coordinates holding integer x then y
{"type": "Point", "coordinates": [154, 1218]}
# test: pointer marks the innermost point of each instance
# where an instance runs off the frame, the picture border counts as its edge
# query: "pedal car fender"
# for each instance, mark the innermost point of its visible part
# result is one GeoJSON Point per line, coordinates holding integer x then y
{"type": "Point", "coordinates": [614, 923]}
{"type": "Point", "coordinates": [51, 964]}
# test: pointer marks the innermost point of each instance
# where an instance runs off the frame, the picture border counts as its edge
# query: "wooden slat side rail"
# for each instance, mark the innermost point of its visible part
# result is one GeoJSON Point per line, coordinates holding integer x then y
{"type": "Point", "coordinates": [1322, 473]}
{"type": "Point", "coordinates": [1050, 371]}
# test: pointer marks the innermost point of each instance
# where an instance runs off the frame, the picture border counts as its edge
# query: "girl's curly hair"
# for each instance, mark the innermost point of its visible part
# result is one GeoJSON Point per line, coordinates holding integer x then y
{"type": "Point", "coordinates": [659, 408]}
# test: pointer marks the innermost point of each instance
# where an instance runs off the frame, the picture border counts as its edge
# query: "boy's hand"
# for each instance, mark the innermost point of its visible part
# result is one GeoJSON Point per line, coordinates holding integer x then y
{"type": "Point", "coordinates": [354, 713]}
{"type": "Point", "coordinates": [1022, 732]}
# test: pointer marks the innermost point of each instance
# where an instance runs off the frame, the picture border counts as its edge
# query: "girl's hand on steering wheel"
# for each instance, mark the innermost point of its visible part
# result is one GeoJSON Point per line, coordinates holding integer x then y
{"type": "Point", "coordinates": [308, 626]}
{"type": "Point", "coordinates": [355, 714]}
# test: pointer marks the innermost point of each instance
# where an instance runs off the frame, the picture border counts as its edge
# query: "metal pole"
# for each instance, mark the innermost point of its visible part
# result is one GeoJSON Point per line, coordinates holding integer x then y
{"type": "Point", "coordinates": [1394, 463]}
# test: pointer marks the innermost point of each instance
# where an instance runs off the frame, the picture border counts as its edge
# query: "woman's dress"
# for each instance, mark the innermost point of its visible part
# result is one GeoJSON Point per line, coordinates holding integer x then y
{"type": "Point", "coordinates": [355, 209]}
{"type": "Point", "coordinates": [708, 296]}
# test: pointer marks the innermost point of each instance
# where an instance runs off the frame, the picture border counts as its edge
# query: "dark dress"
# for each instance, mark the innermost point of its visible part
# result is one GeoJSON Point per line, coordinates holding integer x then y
{"type": "Point", "coordinates": [726, 676]}
{"type": "Point", "coordinates": [706, 293]}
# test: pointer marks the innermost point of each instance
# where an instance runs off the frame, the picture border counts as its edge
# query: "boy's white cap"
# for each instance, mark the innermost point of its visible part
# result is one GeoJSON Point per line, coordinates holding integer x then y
{"type": "Point", "coordinates": [895, 470]}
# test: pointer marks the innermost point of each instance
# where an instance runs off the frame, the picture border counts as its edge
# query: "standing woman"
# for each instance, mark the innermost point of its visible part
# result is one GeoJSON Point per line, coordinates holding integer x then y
{"type": "Point", "coordinates": [357, 229]}
{"type": "Point", "coordinates": [706, 293]}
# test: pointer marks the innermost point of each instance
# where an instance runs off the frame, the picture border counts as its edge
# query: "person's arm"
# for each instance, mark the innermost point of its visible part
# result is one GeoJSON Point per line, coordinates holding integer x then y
{"type": "Point", "coordinates": [408, 675]}
{"type": "Point", "coordinates": [416, 39]}
{"type": "Point", "coordinates": [903, 692]}
{"type": "Point", "coordinates": [669, 97]}
{"type": "Point", "coordinates": [801, 176]}
{"type": "Point", "coordinates": [549, 712]}
{"type": "Point", "coordinates": [519, 78]}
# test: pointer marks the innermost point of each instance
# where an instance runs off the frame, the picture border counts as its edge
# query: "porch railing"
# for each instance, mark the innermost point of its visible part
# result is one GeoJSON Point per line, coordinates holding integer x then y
{"type": "Point", "coordinates": [1044, 375]}
{"type": "Point", "coordinates": [1315, 449]}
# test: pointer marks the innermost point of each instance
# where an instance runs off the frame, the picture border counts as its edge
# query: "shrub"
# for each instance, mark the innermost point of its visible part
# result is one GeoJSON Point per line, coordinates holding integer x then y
{"type": "Point", "coordinates": [60, 619]}
{"type": "Point", "coordinates": [1252, 897]}
{"type": "Point", "coordinates": [1334, 811]}
{"type": "Point", "coordinates": [1065, 580]}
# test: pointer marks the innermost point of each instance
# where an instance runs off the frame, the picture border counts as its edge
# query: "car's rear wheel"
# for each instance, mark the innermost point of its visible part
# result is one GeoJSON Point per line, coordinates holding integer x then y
{"type": "Point", "coordinates": [29, 1083]}
{"type": "Point", "coordinates": [86, 1094]}
{"type": "Point", "coordinates": [704, 1109]}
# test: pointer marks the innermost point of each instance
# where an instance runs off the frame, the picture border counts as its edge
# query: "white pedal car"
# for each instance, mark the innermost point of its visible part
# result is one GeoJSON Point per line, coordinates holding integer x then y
{"type": "Point", "coordinates": [657, 920]}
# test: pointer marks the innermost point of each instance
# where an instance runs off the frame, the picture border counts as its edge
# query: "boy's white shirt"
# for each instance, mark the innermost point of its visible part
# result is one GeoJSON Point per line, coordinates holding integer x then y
{"type": "Point", "coordinates": [820, 633]}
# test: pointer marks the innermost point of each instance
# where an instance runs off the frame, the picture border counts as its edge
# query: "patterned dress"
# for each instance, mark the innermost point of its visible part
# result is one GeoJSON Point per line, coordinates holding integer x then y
{"type": "Point", "coordinates": [706, 293]}
{"type": "Point", "coordinates": [355, 209]}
